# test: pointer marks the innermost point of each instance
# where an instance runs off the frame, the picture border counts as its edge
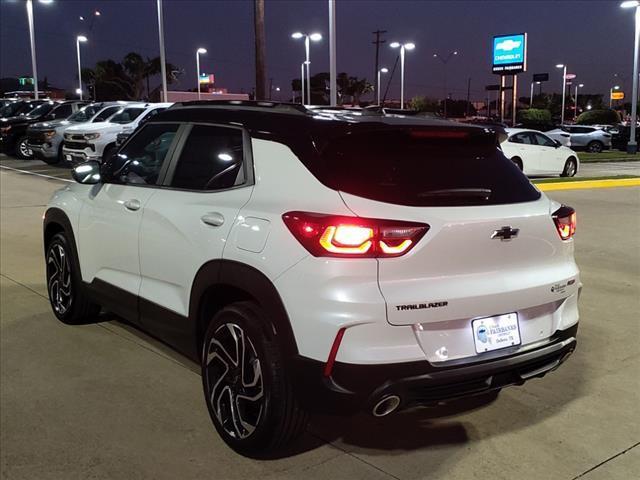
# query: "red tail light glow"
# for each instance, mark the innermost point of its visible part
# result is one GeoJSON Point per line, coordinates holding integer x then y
{"type": "Point", "coordinates": [353, 237]}
{"type": "Point", "coordinates": [565, 219]}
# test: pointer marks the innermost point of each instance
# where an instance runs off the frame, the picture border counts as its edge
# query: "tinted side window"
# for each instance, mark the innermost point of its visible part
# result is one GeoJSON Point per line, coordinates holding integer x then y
{"type": "Point", "coordinates": [63, 111]}
{"type": "Point", "coordinates": [140, 161]}
{"type": "Point", "coordinates": [106, 113]}
{"type": "Point", "coordinates": [211, 159]}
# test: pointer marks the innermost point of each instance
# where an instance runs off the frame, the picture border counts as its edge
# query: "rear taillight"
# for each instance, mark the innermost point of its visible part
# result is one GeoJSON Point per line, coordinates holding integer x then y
{"type": "Point", "coordinates": [565, 220]}
{"type": "Point", "coordinates": [353, 237]}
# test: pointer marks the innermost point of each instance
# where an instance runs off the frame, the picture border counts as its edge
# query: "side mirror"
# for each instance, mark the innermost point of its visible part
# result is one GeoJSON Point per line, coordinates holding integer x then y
{"type": "Point", "coordinates": [558, 144]}
{"type": "Point", "coordinates": [87, 173]}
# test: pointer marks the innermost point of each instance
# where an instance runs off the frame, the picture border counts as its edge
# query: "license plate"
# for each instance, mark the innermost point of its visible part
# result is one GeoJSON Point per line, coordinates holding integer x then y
{"type": "Point", "coordinates": [68, 158]}
{"type": "Point", "coordinates": [494, 333]}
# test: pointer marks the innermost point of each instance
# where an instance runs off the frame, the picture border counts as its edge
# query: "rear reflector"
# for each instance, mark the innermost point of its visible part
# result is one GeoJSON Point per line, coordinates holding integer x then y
{"type": "Point", "coordinates": [353, 237]}
{"type": "Point", "coordinates": [328, 368]}
{"type": "Point", "coordinates": [565, 219]}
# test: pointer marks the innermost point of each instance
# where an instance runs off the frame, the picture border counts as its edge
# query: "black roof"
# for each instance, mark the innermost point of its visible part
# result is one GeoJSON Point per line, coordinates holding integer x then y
{"type": "Point", "coordinates": [285, 120]}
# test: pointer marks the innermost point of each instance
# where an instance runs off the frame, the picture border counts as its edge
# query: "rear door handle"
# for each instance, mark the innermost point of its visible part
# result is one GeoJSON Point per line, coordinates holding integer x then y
{"type": "Point", "coordinates": [133, 204]}
{"type": "Point", "coordinates": [214, 219]}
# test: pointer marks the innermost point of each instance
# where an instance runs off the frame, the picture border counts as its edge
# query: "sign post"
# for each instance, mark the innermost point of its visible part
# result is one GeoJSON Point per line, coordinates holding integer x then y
{"type": "Point", "coordinates": [509, 58]}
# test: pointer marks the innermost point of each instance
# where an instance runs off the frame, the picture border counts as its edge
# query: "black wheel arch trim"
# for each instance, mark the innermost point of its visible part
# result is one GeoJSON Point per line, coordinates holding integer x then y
{"type": "Point", "coordinates": [56, 216]}
{"type": "Point", "coordinates": [232, 274]}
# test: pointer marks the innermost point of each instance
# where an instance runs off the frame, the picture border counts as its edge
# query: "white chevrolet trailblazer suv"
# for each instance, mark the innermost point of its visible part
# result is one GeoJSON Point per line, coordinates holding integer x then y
{"type": "Point", "coordinates": [96, 141]}
{"type": "Point", "coordinates": [319, 261]}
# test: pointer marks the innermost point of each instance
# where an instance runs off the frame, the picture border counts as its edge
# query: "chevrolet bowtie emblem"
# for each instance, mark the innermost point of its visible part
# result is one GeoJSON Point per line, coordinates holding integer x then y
{"type": "Point", "coordinates": [506, 233]}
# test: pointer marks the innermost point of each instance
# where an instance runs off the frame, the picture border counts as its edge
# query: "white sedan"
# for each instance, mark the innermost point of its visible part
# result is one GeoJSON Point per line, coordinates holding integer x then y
{"type": "Point", "coordinates": [537, 154]}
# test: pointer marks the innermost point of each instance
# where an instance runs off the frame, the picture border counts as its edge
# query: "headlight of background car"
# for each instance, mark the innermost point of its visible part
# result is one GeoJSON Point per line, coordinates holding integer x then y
{"type": "Point", "coordinates": [91, 136]}
{"type": "Point", "coordinates": [67, 136]}
{"type": "Point", "coordinates": [5, 129]}
{"type": "Point", "coordinates": [49, 134]}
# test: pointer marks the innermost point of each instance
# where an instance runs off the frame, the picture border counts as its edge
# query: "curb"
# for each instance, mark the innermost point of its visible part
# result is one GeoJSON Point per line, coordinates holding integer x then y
{"type": "Point", "coordinates": [581, 185]}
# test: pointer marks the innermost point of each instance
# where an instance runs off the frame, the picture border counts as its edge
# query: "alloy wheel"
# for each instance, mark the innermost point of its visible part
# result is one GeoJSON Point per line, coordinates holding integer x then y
{"type": "Point", "coordinates": [59, 279]}
{"type": "Point", "coordinates": [233, 377]}
{"type": "Point", "coordinates": [571, 168]}
{"type": "Point", "coordinates": [25, 151]}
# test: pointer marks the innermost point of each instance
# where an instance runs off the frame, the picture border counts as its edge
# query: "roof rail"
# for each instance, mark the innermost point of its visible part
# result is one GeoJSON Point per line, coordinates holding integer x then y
{"type": "Point", "coordinates": [245, 104]}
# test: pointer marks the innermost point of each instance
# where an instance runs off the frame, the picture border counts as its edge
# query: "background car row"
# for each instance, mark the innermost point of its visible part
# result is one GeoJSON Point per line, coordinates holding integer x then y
{"type": "Point", "coordinates": [36, 128]}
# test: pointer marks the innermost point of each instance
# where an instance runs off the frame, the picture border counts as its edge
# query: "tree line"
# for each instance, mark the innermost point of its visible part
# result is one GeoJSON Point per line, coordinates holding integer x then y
{"type": "Point", "coordinates": [128, 79]}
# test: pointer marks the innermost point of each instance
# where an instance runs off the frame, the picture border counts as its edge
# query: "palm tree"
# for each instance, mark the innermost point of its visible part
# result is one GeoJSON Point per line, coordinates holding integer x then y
{"type": "Point", "coordinates": [125, 80]}
{"type": "Point", "coordinates": [352, 87]}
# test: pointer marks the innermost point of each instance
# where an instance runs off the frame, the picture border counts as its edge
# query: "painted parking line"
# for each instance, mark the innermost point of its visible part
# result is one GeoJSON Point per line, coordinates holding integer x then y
{"type": "Point", "coordinates": [585, 184]}
{"type": "Point", "coordinates": [36, 174]}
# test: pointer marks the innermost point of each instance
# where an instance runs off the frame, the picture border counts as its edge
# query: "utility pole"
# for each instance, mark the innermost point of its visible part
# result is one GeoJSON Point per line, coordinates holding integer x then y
{"type": "Point", "coordinates": [261, 74]}
{"type": "Point", "coordinates": [377, 42]}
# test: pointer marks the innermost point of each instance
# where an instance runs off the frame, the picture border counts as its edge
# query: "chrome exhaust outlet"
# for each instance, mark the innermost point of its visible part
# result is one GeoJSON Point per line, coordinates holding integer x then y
{"type": "Point", "coordinates": [386, 406]}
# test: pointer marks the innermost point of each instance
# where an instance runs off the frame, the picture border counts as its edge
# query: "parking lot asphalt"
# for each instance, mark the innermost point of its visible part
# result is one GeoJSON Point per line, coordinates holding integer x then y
{"type": "Point", "coordinates": [106, 401]}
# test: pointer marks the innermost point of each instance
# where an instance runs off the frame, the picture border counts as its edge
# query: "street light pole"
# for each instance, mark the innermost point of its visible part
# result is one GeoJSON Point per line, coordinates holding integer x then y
{"type": "Point", "coordinates": [333, 75]}
{"type": "Point", "coordinates": [632, 146]}
{"type": "Point", "coordinates": [32, 37]}
{"type": "Point", "coordinates": [564, 89]}
{"type": "Point", "coordinates": [198, 52]}
{"type": "Point", "coordinates": [382, 70]}
{"type": "Point", "coordinates": [163, 66]}
{"type": "Point", "coordinates": [403, 47]}
{"type": "Point", "coordinates": [302, 83]}
{"type": "Point", "coordinates": [313, 37]}
{"type": "Point", "coordinates": [575, 115]}
{"type": "Point", "coordinates": [307, 63]}
{"type": "Point", "coordinates": [79, 38]}
{"type": "Point", "coordinates": [531, 96]}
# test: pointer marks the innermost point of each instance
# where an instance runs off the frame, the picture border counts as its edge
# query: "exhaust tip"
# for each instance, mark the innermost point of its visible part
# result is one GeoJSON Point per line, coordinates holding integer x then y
{"type": "Point", "coordinates": [386, 406]}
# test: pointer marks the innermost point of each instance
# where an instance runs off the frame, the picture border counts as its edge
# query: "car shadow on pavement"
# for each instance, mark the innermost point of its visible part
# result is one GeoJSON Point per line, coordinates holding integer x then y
{"type": "Point", "coordinates": [456, 422]}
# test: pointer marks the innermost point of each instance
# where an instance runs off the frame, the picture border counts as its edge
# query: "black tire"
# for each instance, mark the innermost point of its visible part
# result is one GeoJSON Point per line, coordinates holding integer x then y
{"type": "Point", "coordinates": [266, 416]}
{"type": "Point", "coordinates": [69, 301]}
{"type": "Point", "coordinates": [595, 147]}
{"type": "Point", "coordinates": [518, 163]}
{"type": "Point", "coordinates": [570, 168]}
{"type": "Point", "coordinates": [22, 151]}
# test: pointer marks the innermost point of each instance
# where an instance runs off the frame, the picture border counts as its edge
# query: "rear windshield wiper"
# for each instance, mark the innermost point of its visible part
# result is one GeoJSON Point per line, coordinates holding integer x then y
{"type": "Point", "coordinates": [483, 193]}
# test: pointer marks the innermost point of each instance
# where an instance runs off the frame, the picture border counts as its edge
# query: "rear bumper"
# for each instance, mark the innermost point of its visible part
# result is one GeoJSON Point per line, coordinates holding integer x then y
{"type": "Point", "coordinates": [353, 388]}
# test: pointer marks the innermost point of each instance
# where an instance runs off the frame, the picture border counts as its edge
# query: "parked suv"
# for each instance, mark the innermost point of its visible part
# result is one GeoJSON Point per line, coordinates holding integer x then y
{"type": "Point", "coordinates": [45, 138]}
{"type": "Point", "coordinates": [14, 130]}
{"type": "Point", "coordinates": [592, 139]}
{"type": "Point", "coordinates": [98, 140]}
{"type": "Point", "coordinates": [15, 107]}
{"type": "Point", "coordinates": [315, 261]}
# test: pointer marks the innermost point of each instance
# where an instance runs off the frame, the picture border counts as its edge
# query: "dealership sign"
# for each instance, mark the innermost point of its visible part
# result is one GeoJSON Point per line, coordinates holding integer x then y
{"type": "Point", "coordinates": [206, 78]}
{"type": "Point", "coordinates": [510, 54]}
{"type": "Point", "coordinates": [617, 95]}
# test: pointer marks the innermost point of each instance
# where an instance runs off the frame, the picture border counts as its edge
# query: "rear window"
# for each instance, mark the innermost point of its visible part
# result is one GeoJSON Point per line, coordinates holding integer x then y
{"type": "Point", "coordinates": [426, 167]}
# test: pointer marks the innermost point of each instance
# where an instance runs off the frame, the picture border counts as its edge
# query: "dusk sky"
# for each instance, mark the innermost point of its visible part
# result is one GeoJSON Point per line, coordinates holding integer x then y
{"type": "Point", "coordinates": [595, 39]}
